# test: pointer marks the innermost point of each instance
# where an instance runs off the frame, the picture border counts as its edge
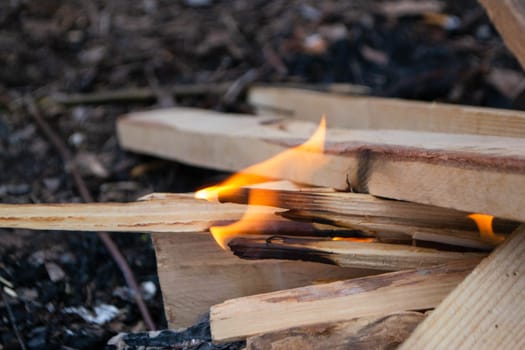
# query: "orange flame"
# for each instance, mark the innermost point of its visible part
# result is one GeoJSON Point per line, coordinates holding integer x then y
{"type": "Point", "coordinates": [354, 239]}
{"type": "Point", "coordinates": [294, 157]}
{"type": "Point", "coordinates": [484, 223]}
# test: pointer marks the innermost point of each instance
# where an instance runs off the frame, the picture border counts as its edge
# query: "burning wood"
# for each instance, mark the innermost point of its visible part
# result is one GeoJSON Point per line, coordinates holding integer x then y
{"type": "Point", "coordinates": [445, 170]}
{"type": "Point", "coordinates": [157, 213]}
{"type": "Point", "coordinates": [195, 274]}
{"type": "Point", "coordinates": [347, 252]}
{"type": "Point", "coordinates": [487, 304]}
{"type": "Point", "coordinates": [333, 302]}
{"type": "Point", "coordinates": [381, 218]}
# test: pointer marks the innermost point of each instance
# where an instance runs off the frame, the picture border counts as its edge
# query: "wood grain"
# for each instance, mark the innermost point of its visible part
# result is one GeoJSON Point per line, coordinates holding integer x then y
{"type": "Point", "coordinates": [334, 302]}
{"type": "Point", "coordinates": [508, 17]}
{"type": "Point", "coordinates": [486, 311]}
{"type": "Point", "coordinates": [484, 174]}
{"type": "Point", "coordinates": [372, 332]}
{"type": "Point", "coordinates": [195, 273]}
{"type": "Point", "coordinates": [346, 253]}
{"type": "Point", "coordinates": [359, 112]}
{"type": "Point", "coordinates": [159, 213]}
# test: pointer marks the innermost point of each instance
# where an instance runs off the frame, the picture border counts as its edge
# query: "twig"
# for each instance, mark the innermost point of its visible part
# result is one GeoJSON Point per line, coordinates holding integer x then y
{"type": "Point", "coordinates": [13, 321]}
{"type": "Point", "coordinates": [164, 98]}
{"type": "Point", "coordinates": [87, 197]}
{"type": "Point", "coordinates": [240, 85]}
{"type": "Point", "coordinates": [139, 94]}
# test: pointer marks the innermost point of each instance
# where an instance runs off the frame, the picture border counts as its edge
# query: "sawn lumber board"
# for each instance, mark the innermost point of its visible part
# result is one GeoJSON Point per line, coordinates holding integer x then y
{"type": "Point", "coordinates": [474, 173]}
{"type": "Point", "coordinates": [361, 112]}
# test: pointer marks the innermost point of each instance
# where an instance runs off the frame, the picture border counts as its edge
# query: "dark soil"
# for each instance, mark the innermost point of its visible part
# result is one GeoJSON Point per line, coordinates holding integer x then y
{"type": "Point", "coordinates": [76, 46]}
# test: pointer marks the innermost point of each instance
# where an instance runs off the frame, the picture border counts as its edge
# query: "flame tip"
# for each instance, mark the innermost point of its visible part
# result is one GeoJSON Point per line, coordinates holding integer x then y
{"type": "Point", "coordinates": [290, 157]}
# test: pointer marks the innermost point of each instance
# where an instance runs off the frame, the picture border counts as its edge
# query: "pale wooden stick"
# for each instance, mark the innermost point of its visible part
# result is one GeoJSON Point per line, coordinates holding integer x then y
{"type": "Point", "coordinates": [334, 302]}
{"type": "Point", "coordinates": [508, 17]}
{"type": "Point", "coordinates": [173, 213]}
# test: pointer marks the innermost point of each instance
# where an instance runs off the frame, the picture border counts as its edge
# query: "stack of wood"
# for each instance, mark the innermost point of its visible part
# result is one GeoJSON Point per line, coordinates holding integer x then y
{"type": "Point", "coordinates": [440, 164]}
{"type": "Point", "coordinates": [361, 250]}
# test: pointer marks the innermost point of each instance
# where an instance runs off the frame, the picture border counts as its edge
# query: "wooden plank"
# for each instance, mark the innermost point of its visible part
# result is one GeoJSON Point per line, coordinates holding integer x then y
{"type": "Point", "coordinates": [373, 332]}
{"type": "Point", "coordinates": [159, 213]}
{"type": "Point", "coordinates": [358, 112]}
{"type": "Point", "coordinates": [333, 302]}
{"type": "Point", "coordinates": [195, 273]}
{"type": "Point", "coordinates": [346, 252]}
{"type": "Point", "coordinates": [486, 311]}
{"type": "Point", "coordinates": [508, 17]}
{"type": "Point", "coordinates": [381, 218]}
{"type": "Point", "coordinates": [484, 174]}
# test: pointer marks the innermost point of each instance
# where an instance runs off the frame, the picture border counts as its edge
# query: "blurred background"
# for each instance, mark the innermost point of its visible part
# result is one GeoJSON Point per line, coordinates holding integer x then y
{"type": "Point", "coordinates": [123, 56]}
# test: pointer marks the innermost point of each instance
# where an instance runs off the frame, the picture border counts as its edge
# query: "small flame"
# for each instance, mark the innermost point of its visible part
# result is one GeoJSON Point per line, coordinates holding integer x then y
{"type": "Point", "coordinates": [292, 157]}
{"type": "Point", "coordinates": [484, 223]}
{"type": "Point", "coordinates": [354, 239]}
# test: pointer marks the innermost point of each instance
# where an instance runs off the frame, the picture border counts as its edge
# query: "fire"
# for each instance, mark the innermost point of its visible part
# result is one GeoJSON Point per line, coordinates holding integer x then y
{"type": "Point", "coordinates": [292, 157]}
{"type": "Point", "coordinates": [354, 239]}
{"type": "Point", "coordinates": [484, 223]}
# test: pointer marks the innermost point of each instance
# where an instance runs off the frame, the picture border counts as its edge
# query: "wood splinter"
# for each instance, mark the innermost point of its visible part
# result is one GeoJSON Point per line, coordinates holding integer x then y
{"type": "Point", "coordinates": [346, 253]}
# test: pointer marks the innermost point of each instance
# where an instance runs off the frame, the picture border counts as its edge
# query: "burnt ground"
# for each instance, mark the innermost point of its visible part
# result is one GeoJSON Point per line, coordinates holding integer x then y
{"type": "Point", "coordinates": [49, 47]}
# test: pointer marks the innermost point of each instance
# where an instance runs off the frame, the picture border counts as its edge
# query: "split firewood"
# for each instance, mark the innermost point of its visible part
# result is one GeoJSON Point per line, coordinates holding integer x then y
{"type": "Point", "coordinates": [359, 112]}
{"type": "Point", "coordinates": [372, 332]}
{"type": "Point", "coordinates": [346, 253]}
{"type": "Point", "coordinates": [195, 274]}
{"type": "Point", "coordinates": [333, 302]}
{"type": "Point", "coordinates": [159, 213]}
{"type": "Point", "coordinates": [508, 17]}
{"type": "Point", "coordinates": [452, 171]}
{"type": "Point", "coordinates": [377, 217]}
{"type": "Point", "coordinates": [486, 311]}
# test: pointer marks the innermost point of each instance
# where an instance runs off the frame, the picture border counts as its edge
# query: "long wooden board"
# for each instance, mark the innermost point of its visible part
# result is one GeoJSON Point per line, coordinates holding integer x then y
{"type": "Point", "coordinates": [337, 301]}
{"type": "Point", "coordinates": [509, 18]}
{"type": "Point", "coordinates": [486, 311]}
{"type": "Point", "coordinates": [195, 273]}
{"type": "Point", "coordinates": [473, 173]}
{"type": "Point", "coordinates": [359, 112]}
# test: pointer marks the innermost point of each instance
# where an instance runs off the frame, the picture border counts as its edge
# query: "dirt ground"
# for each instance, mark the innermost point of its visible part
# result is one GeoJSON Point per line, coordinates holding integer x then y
{"type": "Point", "coordinates": [427, 50]}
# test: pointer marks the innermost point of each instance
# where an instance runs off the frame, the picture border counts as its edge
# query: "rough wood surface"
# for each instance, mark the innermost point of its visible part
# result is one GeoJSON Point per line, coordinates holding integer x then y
{"type": "Point", "coordinates": [486, 311]}
{"type": "Point", "coordinates": [195, 273]}
{"type": "Point", "coordinates": [373, 332]}
{"type": "Point", "coordinates": [358, 112]}
{"type": "Point", "coordinates": [484, 174]}
{"type": "Point", "coordinates": [333, 302]}
{"type": "Point", "coordinates": [382, 218]}
{"type": "Point", "coordinates": [158, 213]}
{"type": "Point", "coordinates": [508, 17]}
{"type": "Point", "coordinates": [346, 253]}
